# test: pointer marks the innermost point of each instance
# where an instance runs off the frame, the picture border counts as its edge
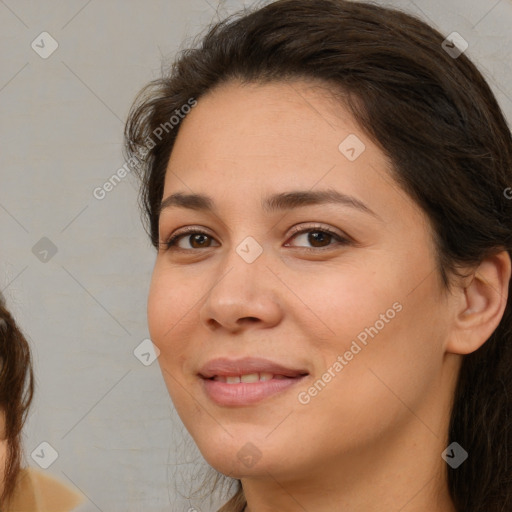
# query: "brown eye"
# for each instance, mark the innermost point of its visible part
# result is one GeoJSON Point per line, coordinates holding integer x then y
{"type": "Point", "coordinates": [196, 240]}
{"type": "Point", "coordinates": [319, 238]}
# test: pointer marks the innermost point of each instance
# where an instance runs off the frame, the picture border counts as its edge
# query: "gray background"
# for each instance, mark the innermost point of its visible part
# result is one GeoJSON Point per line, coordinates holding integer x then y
{"type": "Point", "coordinates": [83, 308]}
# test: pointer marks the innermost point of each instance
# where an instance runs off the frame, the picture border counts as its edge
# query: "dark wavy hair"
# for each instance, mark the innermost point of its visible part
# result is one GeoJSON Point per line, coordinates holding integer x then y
{"type": "Point", "coordinates": [16, 392]}
{"type": "Point", "coordinates": [439, 123]}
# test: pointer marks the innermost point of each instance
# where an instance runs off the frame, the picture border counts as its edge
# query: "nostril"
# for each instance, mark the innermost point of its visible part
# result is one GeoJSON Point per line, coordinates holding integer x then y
{"type": "Point", "coordinates": [250, 319]}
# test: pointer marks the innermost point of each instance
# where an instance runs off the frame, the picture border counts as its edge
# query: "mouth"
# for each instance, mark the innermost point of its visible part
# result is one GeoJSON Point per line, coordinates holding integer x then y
{"type": "Point", "coordinates": [248, 367]}
{"type": "Point", "coordinates": [247, 381]}
{"type": "Point", "coordinates": [249, 378]}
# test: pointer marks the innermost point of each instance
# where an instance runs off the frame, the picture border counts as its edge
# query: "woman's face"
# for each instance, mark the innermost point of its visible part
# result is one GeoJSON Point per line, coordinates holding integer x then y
{"type": "Point", "coordinates": [352, 325]}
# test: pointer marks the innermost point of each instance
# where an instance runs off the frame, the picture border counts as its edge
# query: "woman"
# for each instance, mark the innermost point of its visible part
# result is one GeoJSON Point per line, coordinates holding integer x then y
{"type": "Point", "coordinates": [325, 186]}
{"type": "Point", "coordinates": [22, 489]}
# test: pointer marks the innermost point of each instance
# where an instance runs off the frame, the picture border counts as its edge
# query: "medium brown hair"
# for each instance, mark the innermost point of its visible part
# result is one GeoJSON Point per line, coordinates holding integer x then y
{"type": "Point", "coordinates": [16, 392]}
{"type": "Point", "coordinates": [439, 123]}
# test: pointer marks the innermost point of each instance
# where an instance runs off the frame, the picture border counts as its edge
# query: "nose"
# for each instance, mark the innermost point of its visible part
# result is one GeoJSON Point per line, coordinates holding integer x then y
{"type": "Point", "coordinates": [241, 295]}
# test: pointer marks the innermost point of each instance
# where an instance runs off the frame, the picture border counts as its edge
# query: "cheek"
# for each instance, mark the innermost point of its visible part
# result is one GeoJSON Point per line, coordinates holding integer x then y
{"type": "Point", "coordinates": [160, 313]}
{"type": "Point", "coordinates": [166, 306]}
{"type": "Point", "coordinates": [334, 303]}
{"type": "Point", "coordinates": [172, 319]}
{"type": "Point", "coordinates": [390, 339]}
{"type": "Point", "coordinates": [392, 355]}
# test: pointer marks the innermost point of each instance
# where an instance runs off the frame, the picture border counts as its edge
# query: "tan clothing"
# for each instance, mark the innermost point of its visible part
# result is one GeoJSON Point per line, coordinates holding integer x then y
{"type": "Point", "coordinates": [39, 492]}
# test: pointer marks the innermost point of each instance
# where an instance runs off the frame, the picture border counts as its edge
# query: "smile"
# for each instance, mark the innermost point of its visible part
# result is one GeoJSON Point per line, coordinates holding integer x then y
{"type": "Point", "coordinates": [243, 390]}
{"type": "Point", "coordinates": [247, 378]}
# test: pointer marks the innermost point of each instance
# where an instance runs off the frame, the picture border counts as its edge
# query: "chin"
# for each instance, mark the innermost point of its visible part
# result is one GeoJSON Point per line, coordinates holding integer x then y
{"type": "Point", "coordinates": [244, 454]}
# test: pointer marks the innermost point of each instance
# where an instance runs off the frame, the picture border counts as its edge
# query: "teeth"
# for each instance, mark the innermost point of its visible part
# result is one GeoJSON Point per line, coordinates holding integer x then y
{"type": "Point", "coordinates": [251, 377]}
{"type": "Point", "coordinates": [248, 378]}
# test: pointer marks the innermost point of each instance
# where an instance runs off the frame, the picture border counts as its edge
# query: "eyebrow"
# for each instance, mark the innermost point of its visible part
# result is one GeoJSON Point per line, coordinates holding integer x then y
{"type": "Point", "coordinates": [276, 202]}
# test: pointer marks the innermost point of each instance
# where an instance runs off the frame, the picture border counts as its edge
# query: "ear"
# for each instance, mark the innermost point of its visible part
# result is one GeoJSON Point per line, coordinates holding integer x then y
{"type": "Point", "coordinates": [483, 297]}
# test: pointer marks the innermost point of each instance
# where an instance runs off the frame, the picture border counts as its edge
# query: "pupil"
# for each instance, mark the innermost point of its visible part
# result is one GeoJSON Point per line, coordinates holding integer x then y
{"type": "Point", "coordinates": [196, 238]}
{"type": "Point", "coordinates": [317, 237]}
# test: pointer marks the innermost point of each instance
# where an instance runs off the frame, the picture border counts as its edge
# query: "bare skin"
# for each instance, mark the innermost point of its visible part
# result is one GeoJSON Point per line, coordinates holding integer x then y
{"type": "Point", "coordinates": [371, 439]}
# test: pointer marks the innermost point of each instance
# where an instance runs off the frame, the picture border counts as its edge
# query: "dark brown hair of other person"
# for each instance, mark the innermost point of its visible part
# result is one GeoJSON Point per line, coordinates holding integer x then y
{"type": "Point", "coordinates": [16, 392]}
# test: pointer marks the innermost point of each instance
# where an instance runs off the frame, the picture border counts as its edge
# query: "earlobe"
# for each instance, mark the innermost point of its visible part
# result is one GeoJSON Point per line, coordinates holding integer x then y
{"type": "Point", "coordinates": [484, 298]}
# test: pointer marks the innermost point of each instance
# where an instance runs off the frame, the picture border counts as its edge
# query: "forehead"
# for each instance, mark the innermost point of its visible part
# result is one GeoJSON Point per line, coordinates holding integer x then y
{"type": "Point", "coordinates": [255, 139]}
{"type": "Point", "coordinates": [277, 119]}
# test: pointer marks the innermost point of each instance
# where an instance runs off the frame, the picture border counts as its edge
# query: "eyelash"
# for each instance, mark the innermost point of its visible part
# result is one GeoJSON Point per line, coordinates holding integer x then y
{"type": "Point", "coordinates": [170, 244]}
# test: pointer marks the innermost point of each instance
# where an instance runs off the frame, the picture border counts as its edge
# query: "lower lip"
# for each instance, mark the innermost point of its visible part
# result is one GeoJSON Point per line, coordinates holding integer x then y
{"type": "Point", "coordinates": [246, 393]}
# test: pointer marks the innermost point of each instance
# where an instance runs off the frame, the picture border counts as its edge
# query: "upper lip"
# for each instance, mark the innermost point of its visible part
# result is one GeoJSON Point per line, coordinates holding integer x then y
{"type": "Point", "coordinates": [232, 367]}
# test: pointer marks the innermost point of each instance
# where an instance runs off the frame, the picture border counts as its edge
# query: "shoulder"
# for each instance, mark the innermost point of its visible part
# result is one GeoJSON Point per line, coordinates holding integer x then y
{"type": "Point", "coordinates": [39, 492]}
